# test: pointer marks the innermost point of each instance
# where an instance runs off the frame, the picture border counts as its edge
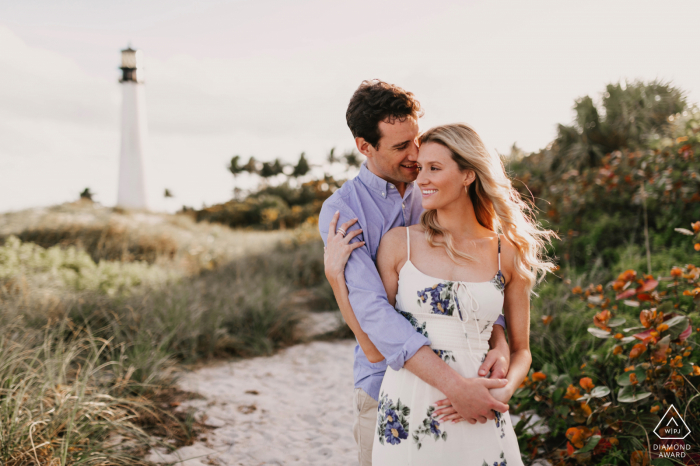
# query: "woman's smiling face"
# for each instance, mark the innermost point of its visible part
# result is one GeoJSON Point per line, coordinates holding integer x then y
{"type": "Point", "coordinates": [439, 178]}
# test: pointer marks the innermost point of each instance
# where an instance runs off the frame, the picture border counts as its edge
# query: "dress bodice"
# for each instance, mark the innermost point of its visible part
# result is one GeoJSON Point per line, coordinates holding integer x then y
{"type": "Point", "coordinates": [452, 314]}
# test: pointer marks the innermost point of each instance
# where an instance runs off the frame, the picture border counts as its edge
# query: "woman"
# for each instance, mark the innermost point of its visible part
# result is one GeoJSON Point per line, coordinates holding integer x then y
{"type": "Point", "coordinates": [475, 254]}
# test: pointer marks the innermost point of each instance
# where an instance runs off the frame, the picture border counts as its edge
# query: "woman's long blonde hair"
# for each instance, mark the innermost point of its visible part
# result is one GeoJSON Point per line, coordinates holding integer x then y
{"type": "Point", "coordinates": [497, 205]}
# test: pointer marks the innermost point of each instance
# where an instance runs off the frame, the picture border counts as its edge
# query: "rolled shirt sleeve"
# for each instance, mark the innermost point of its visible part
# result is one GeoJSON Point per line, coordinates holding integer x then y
{"type": "Point", "coordinates": [391, 333]}
{"type": "Point", "coordinates": [500, 321]}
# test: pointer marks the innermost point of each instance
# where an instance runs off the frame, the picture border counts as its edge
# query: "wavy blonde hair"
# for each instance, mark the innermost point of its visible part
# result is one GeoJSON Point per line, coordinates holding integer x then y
{"type": "Point", "coordinates": [497, 205]}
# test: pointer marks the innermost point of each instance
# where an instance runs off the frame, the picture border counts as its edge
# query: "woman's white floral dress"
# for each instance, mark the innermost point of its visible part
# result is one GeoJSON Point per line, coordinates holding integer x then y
{"type": "Point", "coordinates": [458, 318]}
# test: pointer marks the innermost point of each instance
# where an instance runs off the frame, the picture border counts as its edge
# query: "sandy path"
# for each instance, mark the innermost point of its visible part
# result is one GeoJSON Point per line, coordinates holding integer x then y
{"type": "Point", "coordinates": [293, 408]}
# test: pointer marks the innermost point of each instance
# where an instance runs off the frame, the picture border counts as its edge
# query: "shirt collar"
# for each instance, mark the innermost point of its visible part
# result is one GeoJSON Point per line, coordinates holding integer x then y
{"type": "Point", "coordinates": [378, 184]}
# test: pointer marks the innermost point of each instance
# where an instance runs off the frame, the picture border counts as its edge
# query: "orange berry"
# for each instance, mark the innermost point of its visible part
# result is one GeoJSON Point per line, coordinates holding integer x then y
{"type": "Point", "coordinates": [633, 378]}
{"type": "Point", "coordinates": [618, 336]}
{"type": "Point", "coordinates": [617, 349]}
{"type": "Point", "coordinates": [696, 226]}
{"type": "Point", "coordinates": [586, 409]}
{"type": "Point", "coordinates": [577, 290]}
{"type": "Point", "coordinates": [637, 350]}
{"type": "Point", "coordinates": [586, 383]}
{"type": "Point", "coordinates": [655, 409]}
{"type": "Point", "coordinates": [538, 376]}
{"type": "Point", "coordinates": [697, 246]}
{"type": "Point", "coordinates": [661, 327]}
{"type": "Point", "coordinates": [547, 320]}
{"type": "Point", "coordinates": [629, 368]}
{"type": "Point", "coordinates": [676, 272]}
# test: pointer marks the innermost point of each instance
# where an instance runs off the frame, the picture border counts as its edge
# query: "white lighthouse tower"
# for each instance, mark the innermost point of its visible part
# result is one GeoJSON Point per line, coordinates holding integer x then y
{"type": "Point", "coordinates": [132, 158]}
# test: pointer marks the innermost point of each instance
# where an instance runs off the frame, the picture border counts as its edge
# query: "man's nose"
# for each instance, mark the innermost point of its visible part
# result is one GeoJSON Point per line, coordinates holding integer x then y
{"type": "Point", "coordinates": [413, 151]}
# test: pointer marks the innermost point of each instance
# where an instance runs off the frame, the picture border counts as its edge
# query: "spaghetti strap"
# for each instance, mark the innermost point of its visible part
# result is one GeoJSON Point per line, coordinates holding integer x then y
{"type": "Point", "coordinates": [408, 245]}
{"type": "Point", "coordinates": [499, 253]}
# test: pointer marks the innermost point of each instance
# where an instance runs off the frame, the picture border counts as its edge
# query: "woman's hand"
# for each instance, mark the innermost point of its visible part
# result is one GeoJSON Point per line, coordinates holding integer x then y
{"type": "Point", "coordinates": [338, 249]}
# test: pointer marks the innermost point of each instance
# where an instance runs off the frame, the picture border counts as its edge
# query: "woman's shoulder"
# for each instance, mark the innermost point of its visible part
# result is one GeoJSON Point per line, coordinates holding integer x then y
{"type": "Point", "coordinates": [394, 237]}
{"type": "Point", "coordinates": [508, 250]}
{"type": "Point", "coordinates": [397, 235]}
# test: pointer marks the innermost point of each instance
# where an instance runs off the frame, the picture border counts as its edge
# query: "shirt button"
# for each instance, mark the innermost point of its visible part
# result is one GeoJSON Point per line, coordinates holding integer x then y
{"type": "Point", "coordinates": [403, 204]}
{"type": "Point", "coordinates": [391, 186]}
{"type": "Point", "coordinates": [383, 194]}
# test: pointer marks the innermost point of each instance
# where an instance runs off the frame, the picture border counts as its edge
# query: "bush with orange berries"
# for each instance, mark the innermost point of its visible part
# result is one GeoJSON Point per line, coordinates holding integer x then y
{"type": "Point", "coordinates": [642, 358]}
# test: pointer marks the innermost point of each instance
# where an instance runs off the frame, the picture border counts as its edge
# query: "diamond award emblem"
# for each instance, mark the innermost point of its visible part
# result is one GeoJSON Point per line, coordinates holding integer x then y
{"type": "Point", "coordinates": [672, 426]}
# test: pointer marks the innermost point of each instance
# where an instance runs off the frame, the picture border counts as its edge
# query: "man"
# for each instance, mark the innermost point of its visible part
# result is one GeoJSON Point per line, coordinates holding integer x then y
{"type": "Point", "coordinates": [383, 118]}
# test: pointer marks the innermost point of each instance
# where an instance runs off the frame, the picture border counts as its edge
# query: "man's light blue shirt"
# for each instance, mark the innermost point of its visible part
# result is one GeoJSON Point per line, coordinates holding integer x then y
{"type": "Point", "coordinates": [379, 207]}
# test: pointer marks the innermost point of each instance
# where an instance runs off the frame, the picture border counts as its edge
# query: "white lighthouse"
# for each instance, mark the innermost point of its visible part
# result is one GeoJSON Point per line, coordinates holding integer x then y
{"type": "Point", "coordinates": [132, 158]}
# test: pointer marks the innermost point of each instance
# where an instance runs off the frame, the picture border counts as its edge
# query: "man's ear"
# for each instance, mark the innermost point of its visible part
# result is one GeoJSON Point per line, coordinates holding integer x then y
{"type": "Point", "coordinates": [364, 147]}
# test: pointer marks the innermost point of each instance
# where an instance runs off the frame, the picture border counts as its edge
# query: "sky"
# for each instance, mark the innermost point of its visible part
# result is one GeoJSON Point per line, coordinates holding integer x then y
{"type": "Point", "coordinates": [272, 78]}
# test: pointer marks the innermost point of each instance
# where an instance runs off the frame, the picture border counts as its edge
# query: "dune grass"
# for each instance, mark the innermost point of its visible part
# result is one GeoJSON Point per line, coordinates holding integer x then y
{"type": "Point", "coordinates": [89, 350]}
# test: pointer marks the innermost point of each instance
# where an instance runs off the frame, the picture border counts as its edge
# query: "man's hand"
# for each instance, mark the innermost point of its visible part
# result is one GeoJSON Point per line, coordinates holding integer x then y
{"type": "Point", "coordinates": [338, 249]}
{"type": "Point", "coordinates": [471, 400]}
{"type": "Point", "coordinates": [497, 362]}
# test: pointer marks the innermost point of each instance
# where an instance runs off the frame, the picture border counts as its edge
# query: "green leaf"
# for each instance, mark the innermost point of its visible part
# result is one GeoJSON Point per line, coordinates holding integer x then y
{"type": "Point", "coordinates": [685, 231]}
{"type": "Point", "coordinates": [599, 333]}
{"type": "Point", "coordinates": [616, 322]}
{"type": "Point", "coordinates": [550, 370]}
{"type": "Point", "coordinates": [661, 462]}
{"type": "Point", "coordinates": [563, 381]}
{"type": "Point", "coordinates": [600, 392]}
{"type": "Point", "coordinates": [562, 410]}
{"type": "Point", "coordinates": [624, 378]}
{"type": "Point", "coordinates": [591, 444]}
{"type": "Point", "coordinates": [628, 395]}
{"type": "Point", "coordinates": [676, 325]}
{"type": "Point", "coordinates": [522, 392]}
{"type": "Point", "coordinates": [558, 393]}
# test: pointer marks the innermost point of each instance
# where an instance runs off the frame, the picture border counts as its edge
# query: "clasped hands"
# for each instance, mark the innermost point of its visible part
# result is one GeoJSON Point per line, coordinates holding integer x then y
{"type": "Point", "coordinates": [478, 398]}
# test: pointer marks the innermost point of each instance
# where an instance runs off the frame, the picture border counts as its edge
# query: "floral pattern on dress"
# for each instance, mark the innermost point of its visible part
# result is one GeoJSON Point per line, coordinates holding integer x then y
{"type": "Point", "coordinates": [440, 298]}
{"type": "Point", "coordinates": [430, 427]}
{"type": "Point", "coordinates": [414, 322]}
{"type": "Point", "coordinates": [500, 423]}
{"type": "Point", "coordinates": [445, 355]}
{"type": "Point", "coordinates": [499, 281]}
{"type": "Point", "coordinates": [392, 420]}
{"type": "Point", "coordinates": [503, 461]}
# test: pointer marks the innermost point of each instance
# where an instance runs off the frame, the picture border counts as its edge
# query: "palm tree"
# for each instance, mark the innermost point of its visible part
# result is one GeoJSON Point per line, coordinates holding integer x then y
{"type": "Point", "coordinates": [332, 158]}
{"type": "Point", "coordinates": [234, 167]}
{"type": "Point", "coordinates": [302, 167]}
{"type": "Point", "coordinates": [352, 158]}
{"type": "Point", "coordinates": [252, 166]}
{"type": "Point", "coordinates": [86, 194]}
{"type": "Point", "coordinates": [630, 113]}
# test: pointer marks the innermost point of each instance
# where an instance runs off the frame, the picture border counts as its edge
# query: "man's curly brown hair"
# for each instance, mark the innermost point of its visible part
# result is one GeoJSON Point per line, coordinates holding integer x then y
{"type": "Point", "coordinates": [376, 101]}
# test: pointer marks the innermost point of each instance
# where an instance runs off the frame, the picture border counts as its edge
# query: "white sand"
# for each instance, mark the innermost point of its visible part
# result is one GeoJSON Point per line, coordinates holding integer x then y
{"type": "Point", "coordinates": [294, 408]}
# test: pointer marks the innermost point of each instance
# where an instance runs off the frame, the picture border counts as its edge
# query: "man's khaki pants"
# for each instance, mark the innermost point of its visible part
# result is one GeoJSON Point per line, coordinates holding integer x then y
{"type": "Point", "coordinates": [365, 425]}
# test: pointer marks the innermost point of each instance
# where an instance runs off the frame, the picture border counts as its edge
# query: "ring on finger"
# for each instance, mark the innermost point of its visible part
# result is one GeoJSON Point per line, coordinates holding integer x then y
{"type": "Point", "coordinates": [341, 231]}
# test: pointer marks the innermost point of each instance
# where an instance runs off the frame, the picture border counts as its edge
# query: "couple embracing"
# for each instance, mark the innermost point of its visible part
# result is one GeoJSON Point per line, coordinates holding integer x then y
{"type": "Point", "coordinates": [434, 249]}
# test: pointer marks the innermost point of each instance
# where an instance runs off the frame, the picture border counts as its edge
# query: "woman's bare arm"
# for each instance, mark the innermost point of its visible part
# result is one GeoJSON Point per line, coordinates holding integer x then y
{"type": "Point", "coordinates": [335, 257]}
{"type": "Point", "coordinates": [516, 307]}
